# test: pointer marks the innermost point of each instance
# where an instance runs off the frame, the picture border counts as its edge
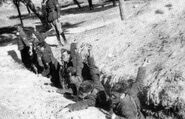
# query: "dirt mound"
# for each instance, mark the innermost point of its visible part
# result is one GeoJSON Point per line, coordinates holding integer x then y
{"type": "Point", "coordinates": [90, 113]}
{"type": "Point", "coordinates": [157, 35]}
{"type": "Point", "coordinates": [23, 92]}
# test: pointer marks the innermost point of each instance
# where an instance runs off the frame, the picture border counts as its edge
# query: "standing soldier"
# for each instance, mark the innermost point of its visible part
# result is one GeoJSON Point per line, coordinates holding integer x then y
{"type": "Point", "coordinates": [24, 47]}
{"type": "Point", "coordinates": [53, 14]}
{"type": "Point", "coordinates": [50, 64]}
{"type": "Point", "coordinates": [44, 55]}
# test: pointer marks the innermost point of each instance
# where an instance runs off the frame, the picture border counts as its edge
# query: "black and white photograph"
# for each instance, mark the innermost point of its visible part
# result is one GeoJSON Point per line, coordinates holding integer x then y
{"type": "Point", "coordinates": [92, 59]}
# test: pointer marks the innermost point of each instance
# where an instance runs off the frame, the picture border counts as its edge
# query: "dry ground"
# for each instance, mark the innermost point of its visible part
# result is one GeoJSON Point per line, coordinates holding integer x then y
{"type": "Point", "coordinates": [152, 30]}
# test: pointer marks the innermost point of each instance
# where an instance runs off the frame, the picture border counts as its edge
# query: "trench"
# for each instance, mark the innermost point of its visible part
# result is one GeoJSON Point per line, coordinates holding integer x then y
{"type": "Point", "coordinates": [149, 108]}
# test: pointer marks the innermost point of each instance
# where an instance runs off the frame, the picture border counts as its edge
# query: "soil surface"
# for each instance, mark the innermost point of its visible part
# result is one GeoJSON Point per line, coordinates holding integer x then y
{"type": "Point", "coordinates": [152, 30]}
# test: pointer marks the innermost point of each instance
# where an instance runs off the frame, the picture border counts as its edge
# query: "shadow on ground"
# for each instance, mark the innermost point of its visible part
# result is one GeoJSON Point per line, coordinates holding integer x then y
{"type": "Point", "coordinates": [74, 10]}
{"type": "Point", "coordinates": [14, 56]}
{"type": "Point", "coordinates": [85, 9]}
{"type": "Point", "coordinates": [8, 29]}
{"type": "Point", "coordinates": [24, 16]}
{"type": "Point", "coordinates": [52, 32]}
{"type": "Point", "coordinates": [6, 39]}
{"type": "Point", "coordinates": [7, 34]}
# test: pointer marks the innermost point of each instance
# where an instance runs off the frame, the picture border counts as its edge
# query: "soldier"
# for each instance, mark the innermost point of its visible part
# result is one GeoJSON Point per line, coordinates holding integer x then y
{"type": "Point", "coordinates": [74, 80]}
{"type": "Point", "coordinates": [37, 38]}
{"type": "Point", "coordinates": [71, 73]}
{"type": "Point", "coordinates": [24, 47]}
{"type": "Point", "coordinates": [55, 68]}
{"type": "Point", "coordinates": [126, 104]}
{"type": "Point", "coordinates": [91, 91]}
{"type": "Point", "coordinates": [53, 14]}
{"type": "Point", "coordinates": [65, 59]}
{"type": "Point", "coordinates": [51, 66]}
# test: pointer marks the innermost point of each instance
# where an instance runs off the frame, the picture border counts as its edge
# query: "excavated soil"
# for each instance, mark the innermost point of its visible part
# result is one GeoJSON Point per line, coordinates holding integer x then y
{"type": "Point", "coordinates": [154, 31]}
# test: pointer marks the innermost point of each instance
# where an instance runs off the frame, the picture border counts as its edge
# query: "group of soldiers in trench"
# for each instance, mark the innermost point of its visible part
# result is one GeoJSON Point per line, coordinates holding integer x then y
{"type": "Point", "coordinates": [76, 75]}
{"type": "Point", "coordinates": [78, 78]}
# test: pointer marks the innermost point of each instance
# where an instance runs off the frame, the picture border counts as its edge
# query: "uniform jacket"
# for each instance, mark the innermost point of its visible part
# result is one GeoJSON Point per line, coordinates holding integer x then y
{"type": "Point", "coordinates": [40, 37]}
{"type": "Point", "coordinates": [47, 55]}
{"type": "Point", "coordinates": [95, 74]}
{"type": "Point", "coordinates": [22, 41]}
{"type": "Point", "coordinates": [129, 107]}
{"type": "Point", "coordinates": [98, 97]}
{"type": "Point", "coordinates": [77, 63]}
{"type": "Point", "coordinates": [51, 8]}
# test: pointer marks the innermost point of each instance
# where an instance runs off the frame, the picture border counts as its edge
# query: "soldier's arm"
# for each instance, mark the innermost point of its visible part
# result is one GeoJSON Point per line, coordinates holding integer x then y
{"type": "Point", "coordinates": [48, 51]}
{"type": "Point", "coordinates": [79, 65]}
{"type": "Point", "coordinates": [140, 75]}
{"type": "Point", "coordinates": [95, 74]}
{"type": "Point", "coordinates": [24, 38]}
{"type": "Point", "coordinates": [93, 69]}
{"type": "Point", "coordinates": [138, 84]}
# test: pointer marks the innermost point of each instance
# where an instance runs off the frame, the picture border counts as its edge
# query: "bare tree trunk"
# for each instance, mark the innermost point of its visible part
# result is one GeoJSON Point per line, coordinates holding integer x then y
{"type": "Point", "coordinates": [29, 4]}
{"type": "Point", "coordinates": [121, 7]}
{"type": "Point", "coordinates": [90, 5]}
{"type": "Point", "coordinates": [17, 3]}
{"type": "Point", "coordinates": [76, 2]}
{"type": "Point", "coordinates": [28, 9]}
{"type": "Point", "coordinates": [114, 2]}
{"type": "Point", "coordinates": [37, 11]}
